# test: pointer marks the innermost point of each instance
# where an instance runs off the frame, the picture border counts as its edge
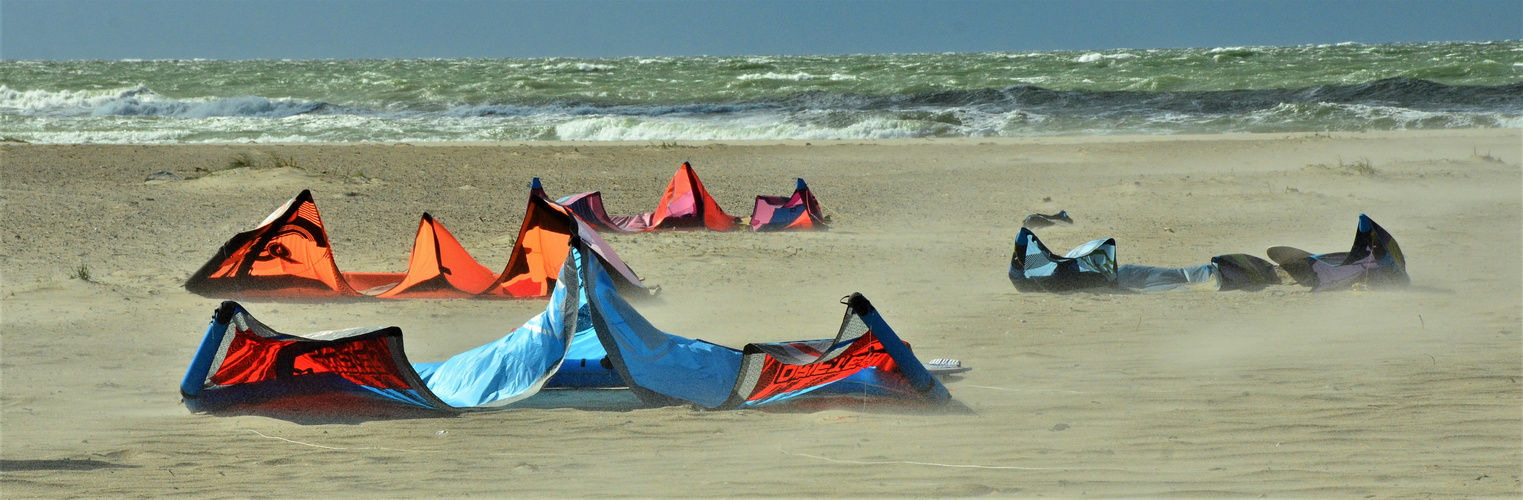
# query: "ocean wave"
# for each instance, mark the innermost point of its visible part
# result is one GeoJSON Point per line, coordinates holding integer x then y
{"type": "Point", "coordinates": [1018, 110]}
{"type": "Point", "coordinates": [1355, 117]}
{"type": "Point", "coordinates": [1416, 94]}
{"type": "Point", "coordinates": [1096, 57]}
{"type": "Point", "coordinates": [36, 102]}
{"type": "Point", "coordinates": [634, 129]}
{"type": "Point", "coordinates": [583, 66]}
{"type": "Point", "coordinates": [248, 106]}
{"type": "Point", "coordinates": [142, 101]}
{"type": "Point", "coordinates": [794, 77]}
{"type": "Point", "coordinates": [762, 125]}
{"type": "Point", "coordinates": [587, 109]}
{"type": "Point", "coordinates": [1400, 92]}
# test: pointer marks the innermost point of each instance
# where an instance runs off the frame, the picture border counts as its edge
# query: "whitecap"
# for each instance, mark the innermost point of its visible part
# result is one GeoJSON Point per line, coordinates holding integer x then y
{"type": "Point", "coordinates": [797, 77]}
{"type": "Point", "coordinates": [1096, 56]}
{"type": "Point", "coordinates": [246, 106]}
{"type": "Point", "coordinates": [142, 101]}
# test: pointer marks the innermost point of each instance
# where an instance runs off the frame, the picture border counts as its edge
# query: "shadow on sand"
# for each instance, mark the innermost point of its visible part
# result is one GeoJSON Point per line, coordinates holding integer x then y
{"type": "Point", "coordinates": [348, 409]}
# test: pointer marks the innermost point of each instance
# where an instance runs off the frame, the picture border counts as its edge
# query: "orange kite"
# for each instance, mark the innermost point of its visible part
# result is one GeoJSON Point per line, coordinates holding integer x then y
{"type": "Point", "coordinates": [289, 256]}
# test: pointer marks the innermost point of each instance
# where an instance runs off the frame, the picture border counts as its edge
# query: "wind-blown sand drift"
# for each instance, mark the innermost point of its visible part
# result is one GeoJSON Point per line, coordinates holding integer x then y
{"type": "Point", "coordinates": [1283, 391]}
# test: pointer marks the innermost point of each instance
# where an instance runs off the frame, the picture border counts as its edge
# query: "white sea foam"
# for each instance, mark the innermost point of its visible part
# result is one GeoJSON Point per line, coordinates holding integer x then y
{"type": "Point", "coordinates": [1096, 56]}
{"type": "Point", "coordinates": [32, 102]}
{"type": "Point", "coordinates": [249, 106]}
{"type": "Point", "coordinates": [755, 128]}
{"type": "Point", "coordinates": [759, 124]}
{"type": "Point", "coordinates": [140, 101]}
{"type": "Point", "coordinates": [797, 77]}
{"type": "Point", "coordinates": [108, 137]}
{"type": "Point", "coordinates": [578, 66]}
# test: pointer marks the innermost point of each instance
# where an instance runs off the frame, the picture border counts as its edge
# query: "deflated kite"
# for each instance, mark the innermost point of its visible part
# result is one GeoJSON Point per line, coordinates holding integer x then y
{"type": "Point", "coordinates": [865, 357]}
{"type": "Point", "coordinates": [799, 212]}
{"type": "Point", "coordinates": [1034, 268]}
{"type": "Point", "coordinates": [289, 256]}
{"type": "Point", "coordinates": [243, 362]}
{"type": "Point", "coordinates": [588, 336]}
{"type": "Point", "coordinates": [1374, 261]}
{"type": "Point", "coordinates": [1092, 266]}
{"type": "Point", "coordinates": [684, 205]}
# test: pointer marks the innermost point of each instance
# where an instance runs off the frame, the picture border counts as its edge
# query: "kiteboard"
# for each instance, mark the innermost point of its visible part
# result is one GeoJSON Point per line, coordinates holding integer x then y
{"type": "Point", "coordinates": [942, 367]}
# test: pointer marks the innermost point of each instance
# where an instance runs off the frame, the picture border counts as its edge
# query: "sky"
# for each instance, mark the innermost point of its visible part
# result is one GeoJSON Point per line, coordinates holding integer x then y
{"type": "Point", "coordinates": [348, 29]}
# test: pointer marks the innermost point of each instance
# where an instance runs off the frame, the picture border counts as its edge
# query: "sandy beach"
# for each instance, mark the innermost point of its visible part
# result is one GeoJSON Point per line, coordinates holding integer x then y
{"type": "Point", "coordinates": [1282, 392]}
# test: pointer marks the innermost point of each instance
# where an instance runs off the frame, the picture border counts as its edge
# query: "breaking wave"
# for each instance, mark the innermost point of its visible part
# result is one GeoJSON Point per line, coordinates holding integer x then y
{"type": "Point", "coordinates": [138, 114]}
{"type": "Point", "coordinates": [142, 101]}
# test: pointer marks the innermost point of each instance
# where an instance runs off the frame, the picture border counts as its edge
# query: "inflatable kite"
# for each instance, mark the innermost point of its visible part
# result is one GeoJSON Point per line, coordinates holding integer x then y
{"type": "Point", "coordinates": [243, 362]}
{"type": "Point", "coordinates": [588, 336]}
{"type": "Point", "coordinates": [799, 212]}
{"type": "Point", "coordinates": [1375, 261]}
{"type": "Point", "coordinates": [1034, 268]}
{"type": "Point", "coordinates": [1092, 266]}
{"type": "Point", "coordinates": [289, 256]}
{"type": "Point", "coordinates": [866, 357]}
{"type": "Point", "coordinates": [685, 205]}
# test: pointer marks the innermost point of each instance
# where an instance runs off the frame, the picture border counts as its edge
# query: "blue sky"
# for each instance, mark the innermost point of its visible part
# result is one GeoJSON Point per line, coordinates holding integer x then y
{"type": "Point", "coordinates": [320, 29]}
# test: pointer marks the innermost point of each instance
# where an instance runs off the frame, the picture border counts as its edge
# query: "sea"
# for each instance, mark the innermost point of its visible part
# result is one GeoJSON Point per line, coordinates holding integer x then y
{"type": "Point", "coordinates": [1309, 88]}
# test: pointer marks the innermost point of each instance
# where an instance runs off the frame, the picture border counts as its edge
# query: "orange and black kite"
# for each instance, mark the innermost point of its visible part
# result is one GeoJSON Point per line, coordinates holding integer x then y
{"type": "Point", "coordinates": [289, 256]}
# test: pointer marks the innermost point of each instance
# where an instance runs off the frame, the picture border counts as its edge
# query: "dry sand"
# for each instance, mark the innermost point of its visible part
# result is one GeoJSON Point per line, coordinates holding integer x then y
{"type": "Point", "coordinates": [1282, 392]}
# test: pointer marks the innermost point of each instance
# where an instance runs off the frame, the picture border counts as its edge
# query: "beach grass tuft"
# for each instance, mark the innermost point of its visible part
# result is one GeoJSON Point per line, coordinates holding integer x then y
{"type": "Point", "coordinates": [242, 160]}
{"type": "Point", "coordinates": [1361, 167]}
{"type": "Point", "coordinates": [669, 145]}
{"type": "Point", "coordinates": [81, 273]}
{"type": "Point", "coordinates": [1476, 154]}
{"type": "Point", "coordinates": [248, 160]}
{"type": "Point", "coordinates": [277, 161]}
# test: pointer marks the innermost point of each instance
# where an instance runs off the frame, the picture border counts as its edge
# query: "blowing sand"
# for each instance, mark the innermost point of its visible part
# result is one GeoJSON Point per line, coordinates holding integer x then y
{"type": "Point", "coordinates": [1282, 392]}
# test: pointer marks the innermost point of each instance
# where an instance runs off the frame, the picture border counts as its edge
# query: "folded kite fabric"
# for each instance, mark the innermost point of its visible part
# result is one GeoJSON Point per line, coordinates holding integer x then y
{"type": "Point", "coordinates": [685, 205]}
{"type": "Point", "coordinates": [1034, 268]}
{"type": "Point", "coordinates": [1092, 266]}
{"type": "Point", "coordinates": [588, 336]}
{"type": "Point", "coordinates": [242, 362]}
{"type": "Point", "coordinates": [289, 256]}
{"type": "Point", "coordinates": [866, 358]}
{"type": "Point", "coordinates": [1374, 261]}
{"type": "Point", "coordinates": [798, 212]}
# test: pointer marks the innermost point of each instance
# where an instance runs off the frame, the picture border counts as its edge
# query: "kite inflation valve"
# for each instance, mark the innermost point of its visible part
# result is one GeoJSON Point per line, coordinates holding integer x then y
{"type": "Point", "coordinates": [858, 304]}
